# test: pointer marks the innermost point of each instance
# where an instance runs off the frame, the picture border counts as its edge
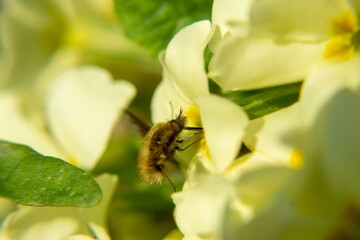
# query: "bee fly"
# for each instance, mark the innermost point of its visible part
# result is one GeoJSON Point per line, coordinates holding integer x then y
{"type": "Point", "coordinates": [159, 146]}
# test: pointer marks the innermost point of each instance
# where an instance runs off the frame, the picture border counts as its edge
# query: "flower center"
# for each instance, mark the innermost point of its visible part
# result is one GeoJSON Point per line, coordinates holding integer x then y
{"type": "Point", "coordinates": [296, 159]}
{"type": "Point", "coordinates": [193, 116]}
{"type": "Point", "coordinates": [194, 120]}
{"type": "Point", "coordinates": [344, 37]}
{"type": "Point", "coordinates": [77, 36]}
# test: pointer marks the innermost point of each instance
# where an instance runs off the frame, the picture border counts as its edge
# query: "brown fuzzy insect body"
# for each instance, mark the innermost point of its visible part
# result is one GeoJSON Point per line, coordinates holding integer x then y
{"type": "Point", "coordinates": [158, 148]}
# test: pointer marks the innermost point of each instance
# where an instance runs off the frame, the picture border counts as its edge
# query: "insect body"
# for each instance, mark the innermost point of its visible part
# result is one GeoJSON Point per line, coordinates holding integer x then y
{"type": "Point", "coordinates": [159, 146]}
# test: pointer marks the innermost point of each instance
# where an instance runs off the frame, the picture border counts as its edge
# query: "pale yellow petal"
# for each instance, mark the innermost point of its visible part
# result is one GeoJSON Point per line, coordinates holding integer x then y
{"type": "Point", "coordinates": [326, 79]}
{"type": "Point", "coordinates": [306, 20]}
{"type": "Point", "coordinates": [268, 134]}
{"type": "Point", "coordinates": [224, 126]}
{"type": "Point", "coordinates": [230, 14]}
{"type": "Point", "coordinates": [337, 137]}
{"type": "Point", "coordinates": [184, 75]}
{"type": "Point", "coordinates": [16, 126]}
{"type": "Point", "coordinates": [167, 100]}
{"type": "Point", "coordinates": [253, 63]}
{"type": "Point", "coordinates": [199, 210]}
{"type": "Point", "coordinates": [184, 59]}
{"type": "Point", "coordinates": [82, 107]}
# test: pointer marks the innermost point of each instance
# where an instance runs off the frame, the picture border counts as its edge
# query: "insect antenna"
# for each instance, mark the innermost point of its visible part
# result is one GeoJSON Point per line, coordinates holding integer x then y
{"type": "Point", "coordinates": [172, 109]}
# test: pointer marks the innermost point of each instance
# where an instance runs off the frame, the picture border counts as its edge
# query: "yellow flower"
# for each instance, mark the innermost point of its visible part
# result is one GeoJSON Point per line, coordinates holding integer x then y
{"type": "Point", "coordinates": [314, 41]}
{"type": "Point", "coordinates": [81, 108]}
{"type": "Point", "coordinates": [185, 85]}
{"type": "Point", "coordinates": [321, 200]}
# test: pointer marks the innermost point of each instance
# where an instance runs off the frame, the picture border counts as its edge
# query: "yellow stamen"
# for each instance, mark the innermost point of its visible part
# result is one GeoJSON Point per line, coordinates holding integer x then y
{"type": "Point", "coordinates": [193, 116]}
{"type": "Point", "coordinates": [342, 28]}
{"type": "Point", "coordinates": [296, 159]}
{"type": "Point", "coordinates": [194, 120]}
{"type": "Point", "coordinates": [344, 24]}
{"type": "Point", "coordinates": [338, 49]}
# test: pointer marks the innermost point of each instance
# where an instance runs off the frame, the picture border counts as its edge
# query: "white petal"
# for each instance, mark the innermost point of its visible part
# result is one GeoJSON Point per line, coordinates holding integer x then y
{"type": "Point", "coordinates": [227, 13]}
{"type": "Point", "coordinates": [16, 126]}
{"type": "Point", "coordinates": [223, 124]}
{"type": "Point", "coordinates": [83, 106]}
{"type": "Point", "coordinates": [267, 134]}
{"type": "Point", "coordinates": [184, 59]}
{"type": "Point", "coordinates": [250, 162]}
{"type": "Point", "coordinates": [254, 63]}
{"type": "Point", "coordinates": [184, 74]}
{"type": "Point", "coordinates": [97, 216]}
{"type": "Point", "coordinates": [60, 61]}
{"type": "Point", "coordinates": [196, 172]}
{"type": "Point", "coordinates": [199, 210]}
{"type": "Point", "coordinates": [168, 98]}
{"type": "Point", "coordinates": [325, 80]}
{"type": "Point", "coordinates": [40, 223]}
{"type": "Point", "coordinates": [337, 138]}
{"type": "Point", "coordinates": [305, 20]}
{"type": "Point", "coordinates": [258, 177]}
{"type": "Point", "coordinates": [280, 220]}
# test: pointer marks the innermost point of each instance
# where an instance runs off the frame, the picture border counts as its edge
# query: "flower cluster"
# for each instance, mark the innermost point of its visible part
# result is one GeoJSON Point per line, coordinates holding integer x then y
{"type": "Point", "coordinates": [298, 177]}
{"type": "Point", "coordinates": [273, 84]}
{"type": "Point", "coordinates": [59, 104]}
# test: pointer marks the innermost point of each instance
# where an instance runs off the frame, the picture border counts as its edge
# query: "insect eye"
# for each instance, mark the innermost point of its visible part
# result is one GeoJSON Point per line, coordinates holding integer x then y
{"type": "Point", "coordinates": [176, 125]}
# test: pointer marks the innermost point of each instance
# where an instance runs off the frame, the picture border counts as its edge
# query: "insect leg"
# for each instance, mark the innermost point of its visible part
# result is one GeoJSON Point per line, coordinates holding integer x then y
{"type": "Point", "coordinates": [182, 149]}
{"type": "Point", "coordinates": [187, 138]}
{"type": "Point", "coordinates": [193, 128]}
{"type": "Point", "coordinates": [167, 177]}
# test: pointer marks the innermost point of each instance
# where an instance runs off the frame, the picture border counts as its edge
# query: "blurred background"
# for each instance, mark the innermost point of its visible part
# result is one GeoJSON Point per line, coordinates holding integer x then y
{"type": "Point", "coordinates": [41, 38]}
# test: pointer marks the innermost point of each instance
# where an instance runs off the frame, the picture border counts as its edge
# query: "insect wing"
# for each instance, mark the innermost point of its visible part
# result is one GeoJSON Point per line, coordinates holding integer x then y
{"type": "Point", "coordinates": [141, 125]}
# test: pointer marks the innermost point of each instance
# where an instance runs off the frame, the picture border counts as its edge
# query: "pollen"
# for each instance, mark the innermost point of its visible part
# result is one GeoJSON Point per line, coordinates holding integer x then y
{"type": "Point", "coordinates": [296, 159]}
{"type": "Point", "coordinates": [340, 46]}
{"type": "Point", "coordinates": [193, 116]}
{"type": "Point", "coordinates": [338, 49]}
{"type": "Point", "coordinates": [344, 25]}
{"type": "Point", "coordinates": [194, 120]}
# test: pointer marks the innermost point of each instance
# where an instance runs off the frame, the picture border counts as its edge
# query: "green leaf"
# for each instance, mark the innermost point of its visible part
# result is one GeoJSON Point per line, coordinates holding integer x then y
{"type": "Point", "coordinates": [30, 178]}
{"type": "Point", "coordinates": [259, 102]}
{"type": "Point", "coordinates": [152, 24]}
